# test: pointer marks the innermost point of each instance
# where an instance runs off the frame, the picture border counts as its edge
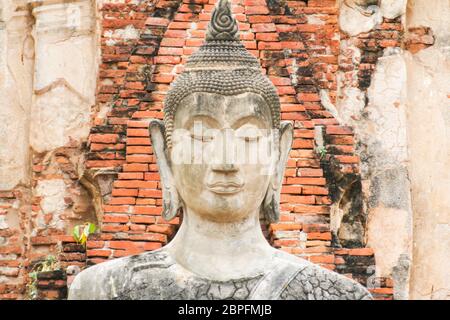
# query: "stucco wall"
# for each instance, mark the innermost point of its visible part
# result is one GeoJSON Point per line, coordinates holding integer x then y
{"type": "Point", "coordinates": [49, 59]}
{"type": "Point", "coordinates": [428, 123]}
{"type": "Point", "coordinates": [402, 123]}
{"type": "Point", "coordinates": [16, 70]}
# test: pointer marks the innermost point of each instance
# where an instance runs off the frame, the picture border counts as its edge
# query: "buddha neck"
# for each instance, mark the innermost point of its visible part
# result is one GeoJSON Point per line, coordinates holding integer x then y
{"type": "Point", "coordinates": [221, 251]}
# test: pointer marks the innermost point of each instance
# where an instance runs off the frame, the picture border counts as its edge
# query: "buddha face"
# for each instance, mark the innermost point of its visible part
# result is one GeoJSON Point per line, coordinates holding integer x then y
{"type": "Point", "coordinates": [223, 154]}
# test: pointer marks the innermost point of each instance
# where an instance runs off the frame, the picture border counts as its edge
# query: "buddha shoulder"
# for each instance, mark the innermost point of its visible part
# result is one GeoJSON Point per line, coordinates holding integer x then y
{"type": "Point", "coordinates": [313, 282]}
{"type": "Point", "coordinates": [109, 280]}
{"type": "Point", "coordinates": [155, 275]}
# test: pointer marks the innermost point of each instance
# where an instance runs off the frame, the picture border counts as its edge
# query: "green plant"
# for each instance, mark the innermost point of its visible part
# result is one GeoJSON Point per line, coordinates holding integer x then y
{"type": "Point", "coordinates": [322, 151]}
{"type": "Point", "coordinates": [81, 232]}
{"type": "Point", "coordinates": [50, 263]}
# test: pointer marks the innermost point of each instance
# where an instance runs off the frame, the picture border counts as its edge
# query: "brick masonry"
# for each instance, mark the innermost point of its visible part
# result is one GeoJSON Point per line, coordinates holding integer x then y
{"type": "Point", "coordinates": [298, 44]}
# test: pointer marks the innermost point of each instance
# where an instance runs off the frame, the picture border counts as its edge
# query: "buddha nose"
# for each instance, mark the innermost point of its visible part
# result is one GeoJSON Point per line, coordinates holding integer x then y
{"type": "Point", "coordinates": [224, 167]}
{"type": "Point", "coordinates": [224, 153]}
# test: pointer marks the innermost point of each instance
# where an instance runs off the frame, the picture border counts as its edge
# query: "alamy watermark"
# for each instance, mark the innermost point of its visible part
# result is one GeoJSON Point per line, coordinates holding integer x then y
{"type": "Point", "coordinates": [247, 145]}
{"type": "Point", "coordinates": [69, 17]}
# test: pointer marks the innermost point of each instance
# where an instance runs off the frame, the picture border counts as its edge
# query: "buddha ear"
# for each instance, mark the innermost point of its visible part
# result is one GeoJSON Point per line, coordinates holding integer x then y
{"type": "Point", "coordinates": [171, 198]}
{"type": "Point", "coordinates": [271, 204]}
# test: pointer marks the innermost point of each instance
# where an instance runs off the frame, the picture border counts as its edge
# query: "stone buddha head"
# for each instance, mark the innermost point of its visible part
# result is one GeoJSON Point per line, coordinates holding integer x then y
{"type": "Point", "coordinates": [221, 149]}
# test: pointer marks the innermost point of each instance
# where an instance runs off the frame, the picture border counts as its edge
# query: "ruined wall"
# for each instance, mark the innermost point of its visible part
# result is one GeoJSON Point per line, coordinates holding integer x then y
{"type": "Point", "coordinates": [49, 58]}
{"type": "Point", "coordinates": [428, 125]}
{"type": "Point", "coordinates": [82, 79]}
{"type": "Point", "coordinates": [372, 93]}
{"type": "Point", "coordinates": [399, 108]}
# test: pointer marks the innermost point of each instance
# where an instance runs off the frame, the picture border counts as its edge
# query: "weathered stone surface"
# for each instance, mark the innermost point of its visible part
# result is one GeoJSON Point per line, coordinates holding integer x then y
{"type": "Point", "coordinates": [392, 9]}
{"type": "Point", "coordinates": [55, 125]}
{"type": "Point", "coordinates": [381, 128]}
{"type": "Point", "coordinates": [395, 222]}
{"type": "Point", "coordinates": [64, 84]}
{"type": "Point", "coordinates": [16, 63]}
{"type": "Point", "coordinates": [403, 146]}
{"type": "Point", "coordinates": [428, 130]}
{"type": "Point", "coordinates": [155, 276]}
{"type": "Point", "coordinates": [362, 16]}
{"type": "Point", "coordinates": [355, 19]}
{"type": "Point", "coordinates": [429, 144]}
{"type": "Point", "coordinates": [52, 193]}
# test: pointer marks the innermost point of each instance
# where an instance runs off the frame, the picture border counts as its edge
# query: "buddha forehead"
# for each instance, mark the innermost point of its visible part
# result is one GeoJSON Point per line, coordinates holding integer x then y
{"type": "Point", "coordinates": [223, 110]}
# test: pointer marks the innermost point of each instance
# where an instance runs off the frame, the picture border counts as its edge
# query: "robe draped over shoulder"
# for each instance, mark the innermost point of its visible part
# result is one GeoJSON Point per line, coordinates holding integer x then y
{"type": "Point", "coordinates": [156, 276]}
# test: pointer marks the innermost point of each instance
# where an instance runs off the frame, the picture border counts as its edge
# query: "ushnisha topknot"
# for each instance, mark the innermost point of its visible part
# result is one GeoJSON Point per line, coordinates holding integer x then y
{"type": "Point", "coordinates": [222, 65]}
{"type": "Point", "coordinates": [222, 25]}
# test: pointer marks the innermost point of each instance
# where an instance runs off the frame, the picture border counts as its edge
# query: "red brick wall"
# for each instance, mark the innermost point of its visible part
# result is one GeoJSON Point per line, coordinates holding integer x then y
{"type": "Point", "coordinates": [12, 249]}
{"type": "Point", "coordinates": [298, 59]}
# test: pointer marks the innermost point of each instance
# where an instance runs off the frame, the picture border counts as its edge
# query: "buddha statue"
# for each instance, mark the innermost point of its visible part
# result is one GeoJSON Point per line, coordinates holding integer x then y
{"type": "Point", "coordinates": [219, 113]}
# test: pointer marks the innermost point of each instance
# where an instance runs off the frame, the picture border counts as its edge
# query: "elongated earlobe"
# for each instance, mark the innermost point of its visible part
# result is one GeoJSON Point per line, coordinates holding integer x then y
{"type": "Point", "coordinates": [270, 207]}
{"type": "Point", "coordinates": [271, 204]}
{"type": "Point", "coordinates": [172, 204]}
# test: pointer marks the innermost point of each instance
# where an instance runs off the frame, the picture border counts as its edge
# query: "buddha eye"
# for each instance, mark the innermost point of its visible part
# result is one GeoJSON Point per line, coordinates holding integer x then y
{"type": "Point", "coordinates": [249, 134]}
{"type": "Point", "coordinates": [251, 138]}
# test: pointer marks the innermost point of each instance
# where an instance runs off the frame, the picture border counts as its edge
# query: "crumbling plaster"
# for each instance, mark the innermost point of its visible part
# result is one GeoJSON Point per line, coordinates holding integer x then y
{"type": "Point", "coordinates": [401, 124]}
{"type": "Point", "coordinates": [49, 58]}
{"type": "Point", "coordinates": [64, 84]}
{"type": "Point", "coordinates": [16, 74]}
{"type": "Point", "coordinates": [429, 147]}
{"type": "Point", "coordinates": [380, 128]}
{"type": "Point", "coordinates": [357, 16]}
{"type": "Point", "coordinates": [428, 112]}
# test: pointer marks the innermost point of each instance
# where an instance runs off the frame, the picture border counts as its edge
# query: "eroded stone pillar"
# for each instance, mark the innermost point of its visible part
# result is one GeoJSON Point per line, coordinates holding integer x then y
{"type": "Point", "coordinates": [16, 79]}
{"type": "Point", "coordinates": [428, 110]}
{"type": "Point", "coordinates": [402, 125]}
{"type": "Point", "coordinates": [384, 133]}
{"type": "Point", "coordinates": [65, 72]}
{"type": "Point", "coordinates": [372, 99]}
